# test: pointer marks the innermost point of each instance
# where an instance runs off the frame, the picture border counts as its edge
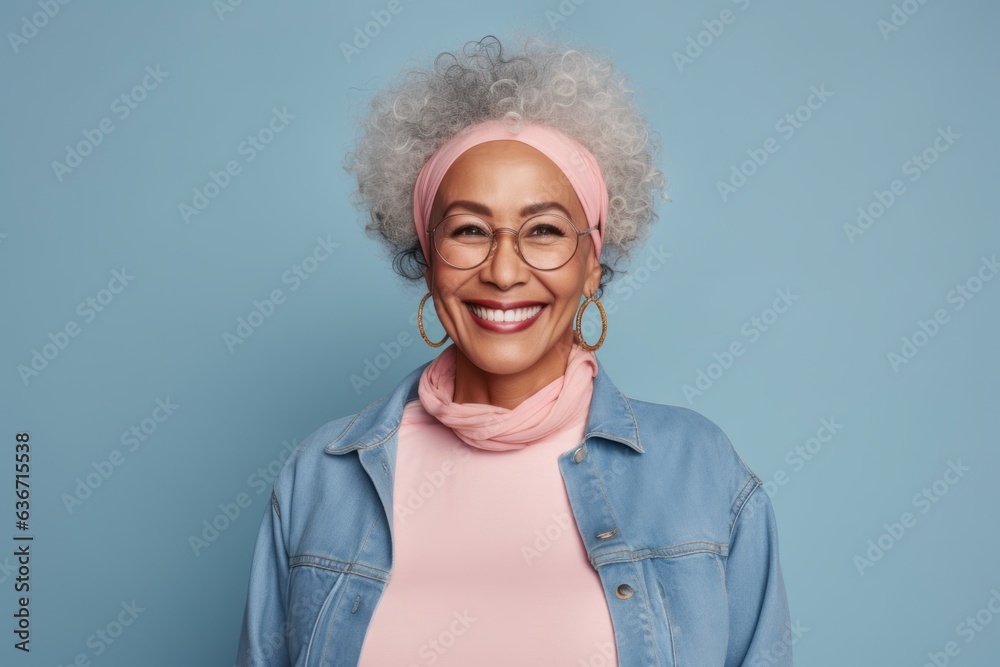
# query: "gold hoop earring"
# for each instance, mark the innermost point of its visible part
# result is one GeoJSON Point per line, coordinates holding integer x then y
{"type": "Point", "coordinates": [420, 324]}
{"type": "Point", "coordinates": [579, 327]}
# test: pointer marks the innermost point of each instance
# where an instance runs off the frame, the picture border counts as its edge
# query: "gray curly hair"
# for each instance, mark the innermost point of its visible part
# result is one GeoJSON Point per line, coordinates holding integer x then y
{"type": "Point", "coordinates": [572, 90]}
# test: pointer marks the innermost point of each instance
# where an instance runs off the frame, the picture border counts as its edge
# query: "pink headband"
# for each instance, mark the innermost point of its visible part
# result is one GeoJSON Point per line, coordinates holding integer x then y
{"type": "Point", "coordinates": [572, 157]}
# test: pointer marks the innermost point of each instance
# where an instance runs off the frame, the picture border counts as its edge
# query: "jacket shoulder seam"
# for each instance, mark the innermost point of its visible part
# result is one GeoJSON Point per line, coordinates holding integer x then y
{"type": "Point", "coordinates": [274, 501]}
{"type": "Point", "coordinates": [742, 498]}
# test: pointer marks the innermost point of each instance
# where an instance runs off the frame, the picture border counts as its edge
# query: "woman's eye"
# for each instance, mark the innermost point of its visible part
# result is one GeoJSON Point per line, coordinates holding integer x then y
{"type": "Point", "coordinates": [546, 230]}
{"type": "Point", "coordinates": [468, 230]}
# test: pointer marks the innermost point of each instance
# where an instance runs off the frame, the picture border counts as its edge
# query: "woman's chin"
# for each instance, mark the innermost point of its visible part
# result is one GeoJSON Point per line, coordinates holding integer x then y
{"type": "Point", "coordinates": [501, 357]}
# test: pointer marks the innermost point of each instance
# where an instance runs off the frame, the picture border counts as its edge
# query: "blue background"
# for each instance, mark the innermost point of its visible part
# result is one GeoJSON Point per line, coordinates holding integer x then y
{"type": "Point", "coordinates": [826, 357]}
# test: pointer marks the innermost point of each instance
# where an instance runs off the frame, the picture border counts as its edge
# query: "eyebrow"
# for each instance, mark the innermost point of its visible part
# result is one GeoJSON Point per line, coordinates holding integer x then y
{"type": "Point", "coordinates": [530, 209]}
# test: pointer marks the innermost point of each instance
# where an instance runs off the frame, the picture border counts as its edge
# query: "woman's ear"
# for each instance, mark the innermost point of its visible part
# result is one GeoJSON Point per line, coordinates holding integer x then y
{"type": "Point", "coordinates": [594, 273]}
{"type": "Point", "coordinates": [427, 279]}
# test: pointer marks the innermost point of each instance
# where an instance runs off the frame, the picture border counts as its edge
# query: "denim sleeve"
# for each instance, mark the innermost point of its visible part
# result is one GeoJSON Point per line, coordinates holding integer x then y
{"type": "Point", "coordinates": [759, 623]}
{"type": "Point", "coordinates": [263, 639]}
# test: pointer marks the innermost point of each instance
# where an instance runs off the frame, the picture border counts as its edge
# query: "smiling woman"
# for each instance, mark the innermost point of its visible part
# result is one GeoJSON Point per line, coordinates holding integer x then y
{"type": "Point", "coordinates": [506, 503]}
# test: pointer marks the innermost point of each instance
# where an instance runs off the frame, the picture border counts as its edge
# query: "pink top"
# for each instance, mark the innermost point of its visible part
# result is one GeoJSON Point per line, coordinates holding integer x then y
{"type": "Point", "coordinates": [488, 565]}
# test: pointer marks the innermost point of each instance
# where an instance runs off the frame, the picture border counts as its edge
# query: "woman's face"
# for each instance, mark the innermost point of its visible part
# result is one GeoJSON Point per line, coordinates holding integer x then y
{"type": "Point", "coordinates": [497, 181]}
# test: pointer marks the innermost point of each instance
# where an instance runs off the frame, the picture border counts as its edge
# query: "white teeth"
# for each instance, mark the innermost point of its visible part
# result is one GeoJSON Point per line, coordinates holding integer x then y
{"type": "Point", "coordinates": [512, 315]}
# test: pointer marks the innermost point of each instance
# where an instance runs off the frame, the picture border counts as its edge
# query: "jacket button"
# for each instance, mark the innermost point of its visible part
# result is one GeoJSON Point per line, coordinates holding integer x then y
{"type": "Point", "coordinates": [580, 453]}
{"type": "Point", "coordinates": [624, 591]}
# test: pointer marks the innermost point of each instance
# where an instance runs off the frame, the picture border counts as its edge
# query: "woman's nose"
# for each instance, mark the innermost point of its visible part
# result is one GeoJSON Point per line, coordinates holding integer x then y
{"type": "Point", "coordinates": [505, 264]}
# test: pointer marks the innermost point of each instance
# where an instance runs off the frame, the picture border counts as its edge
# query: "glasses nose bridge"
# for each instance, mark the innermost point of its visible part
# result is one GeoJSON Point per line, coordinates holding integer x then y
{"type": "Point", "coordinates": [495, 241]}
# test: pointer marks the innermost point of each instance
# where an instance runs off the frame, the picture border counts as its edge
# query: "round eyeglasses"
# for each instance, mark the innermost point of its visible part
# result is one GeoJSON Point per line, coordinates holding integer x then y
{"type": "Point", "coordinates": [545, 242]}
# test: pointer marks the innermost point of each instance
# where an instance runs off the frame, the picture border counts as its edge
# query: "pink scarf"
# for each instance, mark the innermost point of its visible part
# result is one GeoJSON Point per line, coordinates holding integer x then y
{"type": "Point", "coordinates": [550, 409]}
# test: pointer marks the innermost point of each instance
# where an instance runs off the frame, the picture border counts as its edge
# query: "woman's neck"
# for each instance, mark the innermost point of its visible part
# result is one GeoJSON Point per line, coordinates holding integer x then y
{"type": "Point", "coordinates": [508, 390]}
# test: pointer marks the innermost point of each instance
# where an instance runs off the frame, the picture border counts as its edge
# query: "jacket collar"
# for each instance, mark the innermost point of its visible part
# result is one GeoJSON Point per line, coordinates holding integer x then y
{"type": "Point", "coordinates": [610, 415]}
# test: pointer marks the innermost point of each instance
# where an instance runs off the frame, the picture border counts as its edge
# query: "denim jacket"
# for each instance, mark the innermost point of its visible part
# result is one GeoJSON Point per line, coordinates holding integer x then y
{"type": "Point", "coordinates": [679, 529]}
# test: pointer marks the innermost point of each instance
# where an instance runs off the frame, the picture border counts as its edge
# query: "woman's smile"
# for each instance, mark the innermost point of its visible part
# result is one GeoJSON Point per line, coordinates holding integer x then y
{"type": "Point", "coordinates": [501, 318]}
